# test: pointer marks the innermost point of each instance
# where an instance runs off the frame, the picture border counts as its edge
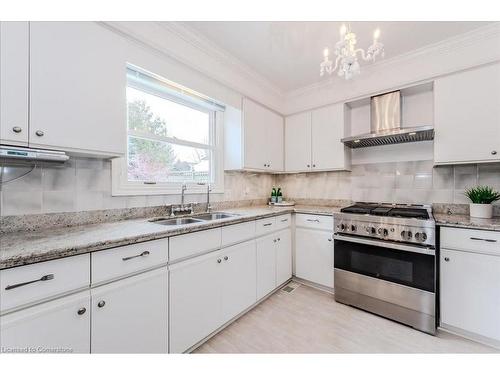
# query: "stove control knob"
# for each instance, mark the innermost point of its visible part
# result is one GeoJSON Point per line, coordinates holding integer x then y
{"type": "Point", "coordinates": [406, 235]}
{"type": "Point", "coordinates": [367, 229]}
{"type": "Point", "coordinates": [342, 227]}
{"type": "Point", "coordinates": [374, 230]}
{"type": "Point", "coordinates": [385, 232]}
{"type": "Point", "coordinates": [420, 236]}
{"type": "Point", "coordinates": [353, 228]}
{"type": "Point", "coordinates": [379, 231]}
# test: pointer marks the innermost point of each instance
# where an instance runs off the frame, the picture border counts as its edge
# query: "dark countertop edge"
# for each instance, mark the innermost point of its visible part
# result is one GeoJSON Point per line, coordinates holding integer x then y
{"type": "Point", "coordinates": [93, 247]}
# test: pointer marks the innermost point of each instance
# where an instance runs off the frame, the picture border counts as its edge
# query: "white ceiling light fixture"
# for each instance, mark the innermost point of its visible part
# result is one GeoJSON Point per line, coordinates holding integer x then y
{"type": "Point", "coordinates": [346, 61]}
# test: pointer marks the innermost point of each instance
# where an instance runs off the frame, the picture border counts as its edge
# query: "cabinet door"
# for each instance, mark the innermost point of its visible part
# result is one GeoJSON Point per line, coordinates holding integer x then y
{"type": "Point", "coordinates": [470, 292]}
{"type": "Point", "coordinates": [255, 135]}
{"type": "Point", "coordinates": [467, 116]}
{"type": "Point", "coordinates": [195, 300]}
{"type": "Point", "coordinates": [314, 256]}
{"type": "Point", "coordinates": [283, 257]}
{"type": "Point", "coordinates": [298, 142]}
{"type": "Point", "coordinates": [62, 324]}
{"type": "Point", "coordinates": [239, 279]}
{"type": "Point", "coordinates": [14, 63]}
{"type": "Point", "coordinates": [274, 139]}
{"type": "Point", "coordinates": [328, 152]}
{"type": "Point", "coordinates": [266, 265]}
{"type": "Point", "coordinates": [78, 88]}
{"type": "Point", "coordinates": [130, 315]}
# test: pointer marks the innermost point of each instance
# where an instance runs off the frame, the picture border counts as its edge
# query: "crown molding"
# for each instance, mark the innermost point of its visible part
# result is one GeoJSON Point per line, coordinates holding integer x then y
{"type": "Point", "coordinates": [189, 48]}
{"type": "Point", "coordinates": [444, 47]}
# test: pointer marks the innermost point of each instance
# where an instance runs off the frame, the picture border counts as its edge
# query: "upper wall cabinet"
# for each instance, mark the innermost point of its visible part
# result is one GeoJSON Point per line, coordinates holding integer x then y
{"type": "Point", "coordinates": [253, 141]}
{"type": "Point", "coordinates": [467, 116]}
{"type": "Point", "coordinates": [312, 141]}
{"type": "Point", "coordinates": [77, 88]}
{"type": "Point", "coordinates": [14, 63]}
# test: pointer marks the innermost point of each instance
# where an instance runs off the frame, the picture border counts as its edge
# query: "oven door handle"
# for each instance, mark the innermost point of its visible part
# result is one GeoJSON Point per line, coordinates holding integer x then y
{"type": "Point", "coordinates": [391, 245]}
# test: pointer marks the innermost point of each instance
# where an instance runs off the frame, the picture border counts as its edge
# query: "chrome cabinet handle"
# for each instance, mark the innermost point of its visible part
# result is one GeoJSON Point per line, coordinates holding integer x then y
{"type": "Point", "coordinates": [43, 278]}
{"type": "Point", "coordinates": [101, 303]}
{"type": "Point", "coordinates": [446, 259]}
{"type": "Point", "coordinates": [39, 133]}
{"type": "Point", "coordinates": [313, 220]}
{"type": "Point", "coordinates": [284, 220]}
{"type": "Point", "coordinates": [482, 239]}
{"type": "Point", "coordinates": [268, 224]}
{"type": "Point", "coordinates": [143, 254]}
{"type": "Point", "coordinates": [219, 260]}
{"type": "Point", "coordinates": [226, 257]}
{"type": "Point", "coordinates": [81, 311]}
{"type": "Point", "coordinates": [17, 129]}
{"type": "Point", "coordinates": [493, 152]}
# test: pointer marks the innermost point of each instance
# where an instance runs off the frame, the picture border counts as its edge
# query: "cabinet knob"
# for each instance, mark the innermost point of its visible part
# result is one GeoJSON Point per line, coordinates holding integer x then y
{"type": "Point", "coordinates": [39, 133]}
{"type": "Point", "coordinates": [219, 260]}
{"type": "Point", "coordinates": [446, 259]}
{"type": "Point", "coordinates": [279, 239]}
{"type": "Point", "coordinates": [493, 152]}
{"type": "Point", "coordinates": [314, 165]}
{"type": "Point", "coordinates": [81, 311]}
{"type": "Point", "coordinates": [226, 257]}
{"type": "Point", "coordinates": [274, 240]}
{"type": "Point", "coordinates": [308, 165]}
{"type": "Point", "coordinates": [329, 239]}
{"type": "Point", "coordinates": [17, 129]}
{"type": "Point", "coordinates": [101, 303]}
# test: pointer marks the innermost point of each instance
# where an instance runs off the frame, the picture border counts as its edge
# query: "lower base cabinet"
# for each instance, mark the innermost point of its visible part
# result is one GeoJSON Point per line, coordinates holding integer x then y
{"type": "Point", "coordinates": [274, 261]}
{"type": "Point", "coordinates": [131, 315]}
{"type": "Point", "coordinates": [470, 292]}
{"type": "Point", "coordinates": [59, 326]}
{"type": "Point", "coordinates": [314, 256]}
{"type": "Point", "coordinates": [208, 291]}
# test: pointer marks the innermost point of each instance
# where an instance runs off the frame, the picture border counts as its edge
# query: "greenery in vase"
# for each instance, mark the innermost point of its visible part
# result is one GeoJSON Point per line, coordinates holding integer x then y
{"type": "Point", "coordinates": [482, 195]}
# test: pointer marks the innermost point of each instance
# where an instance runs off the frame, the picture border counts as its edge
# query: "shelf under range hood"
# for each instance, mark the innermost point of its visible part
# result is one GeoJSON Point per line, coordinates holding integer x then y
{"type": "Point", "coordinates": [390, 137]}
{"type": "Point", "coordinates": [385, 125]}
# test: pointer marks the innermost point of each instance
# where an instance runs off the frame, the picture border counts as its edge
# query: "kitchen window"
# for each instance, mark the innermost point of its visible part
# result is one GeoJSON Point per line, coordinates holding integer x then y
{"type": "Point", "coordinates": [173, 138]}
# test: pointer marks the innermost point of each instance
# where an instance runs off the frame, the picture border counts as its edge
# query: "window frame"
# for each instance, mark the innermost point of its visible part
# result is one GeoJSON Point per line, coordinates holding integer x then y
{"type": "Point", "coordinates": [120, 185]}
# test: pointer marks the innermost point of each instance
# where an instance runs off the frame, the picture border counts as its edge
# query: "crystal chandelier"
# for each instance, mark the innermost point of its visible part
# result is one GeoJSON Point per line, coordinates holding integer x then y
{"type": "Point", "coordinates": [346, 60]}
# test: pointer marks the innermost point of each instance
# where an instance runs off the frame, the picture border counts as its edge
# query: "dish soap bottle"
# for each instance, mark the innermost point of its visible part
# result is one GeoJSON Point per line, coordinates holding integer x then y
{"type": "Point", "coordinates": [279, 196]}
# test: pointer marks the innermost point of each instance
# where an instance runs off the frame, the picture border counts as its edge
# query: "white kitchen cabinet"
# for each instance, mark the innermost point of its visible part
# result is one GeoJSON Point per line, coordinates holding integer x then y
{"type": "Point", "coordinates": [14, 66]}
{"type": "Point", "coordinates": [467, 116]}
{"type": "Point", "coordinates": [61, 325]}
{"type": "Point", "coordinates": [328, 128]}
{"type": "Point", "coordinates": [77, 88]}
{"type": "Point", "coordinates": [314, 250]}
{"type": "Point", "coordinates": [238, 279]}
{"type": "Point", "coordinates": [256, 141]}
{"type": "Point", "coordinates": [313, 140]}
{"type": "Point", "coordinates": [131, 315]}
{"type": "Point", "coordinates": [283, 256]}
{"type": "Point", "coordinates": [298, 142]}
{"type": "Point", "coordinates": [209, 290]}
{"type": "Point", "coordinates": [470, 294]}
{"type": "Point", "coordinates": [266, 265]}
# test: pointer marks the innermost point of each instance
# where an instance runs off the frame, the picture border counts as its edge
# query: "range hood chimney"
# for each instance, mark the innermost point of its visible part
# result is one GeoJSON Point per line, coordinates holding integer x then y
{"type": "Point", "coordinates": [385, 125]}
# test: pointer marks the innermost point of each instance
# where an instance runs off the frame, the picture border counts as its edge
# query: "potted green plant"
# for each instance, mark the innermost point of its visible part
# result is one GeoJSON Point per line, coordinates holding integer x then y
{"type": "Point", "coordinates": [482, 198]}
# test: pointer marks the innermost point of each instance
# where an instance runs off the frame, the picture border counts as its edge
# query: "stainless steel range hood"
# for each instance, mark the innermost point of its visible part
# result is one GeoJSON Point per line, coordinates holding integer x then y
{"type": "Point", "coordinates": [385, 121]}
{"type": "Point", "coordinates": [31, 154]}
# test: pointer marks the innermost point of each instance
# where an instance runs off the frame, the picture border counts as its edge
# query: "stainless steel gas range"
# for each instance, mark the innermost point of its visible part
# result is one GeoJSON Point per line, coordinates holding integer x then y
{"type": "Point", "coordinates": [385, 261]}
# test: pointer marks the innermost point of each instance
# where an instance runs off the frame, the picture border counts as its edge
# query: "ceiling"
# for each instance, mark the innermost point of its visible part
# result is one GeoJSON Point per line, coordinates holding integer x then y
{"type": "Point", "coordinates": [288, 53]}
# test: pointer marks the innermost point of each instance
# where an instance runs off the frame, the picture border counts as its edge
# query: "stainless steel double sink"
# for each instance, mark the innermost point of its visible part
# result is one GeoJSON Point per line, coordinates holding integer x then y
{"type": "Point", "coordinates": [195, 219]}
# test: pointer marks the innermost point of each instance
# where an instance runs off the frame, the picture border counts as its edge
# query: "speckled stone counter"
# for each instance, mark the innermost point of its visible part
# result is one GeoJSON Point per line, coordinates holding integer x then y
{"type": "Point", "coordinates": [21, 248]}
{"type": "Point", "coordinates": [465, 221]}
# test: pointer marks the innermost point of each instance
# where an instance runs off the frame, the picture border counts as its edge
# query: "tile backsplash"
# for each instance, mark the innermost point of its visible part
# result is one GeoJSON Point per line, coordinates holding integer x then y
{"type": "Point", "coordinates": [85, 184]}
{"type": "Point", "coordinates": [394, 182]}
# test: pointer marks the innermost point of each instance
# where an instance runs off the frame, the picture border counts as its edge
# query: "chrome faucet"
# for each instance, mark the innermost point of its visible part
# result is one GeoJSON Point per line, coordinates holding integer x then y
{"type": "Point", "coordinates": [209, 189]}
{"type": "Point", "coordinates": [182, 208]}
{"type": "Point", "coordinates": [183, 189]}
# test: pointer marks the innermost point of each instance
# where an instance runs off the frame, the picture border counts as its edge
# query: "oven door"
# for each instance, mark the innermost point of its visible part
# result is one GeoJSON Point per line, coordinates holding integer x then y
{"type": "Point", "coordinates": [402, 264]}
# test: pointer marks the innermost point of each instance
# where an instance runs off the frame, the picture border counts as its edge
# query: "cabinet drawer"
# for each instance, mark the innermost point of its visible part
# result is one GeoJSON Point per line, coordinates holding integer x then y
{"type": "Point", "coordinates": [188, 245]}
{"type": "Point", "coordinates": [120, 261]}
{"type": "Point", "coordinates": [283, 221]}
{"type": "Point", "coordinates": [473, 240]}
{"type": "Point", "coordinates": [47, 279]}
{"type": "Point", "coordinates": [264, 226]}
{"type": "Point", "coordinates": [238, 233]}
{"type": "Point", "coordinates": [314, 221]}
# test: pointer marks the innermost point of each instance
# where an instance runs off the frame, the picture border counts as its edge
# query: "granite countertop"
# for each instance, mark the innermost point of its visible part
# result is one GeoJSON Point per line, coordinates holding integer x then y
{"type": "Point", "coordinates": [465, 221]}
{"type": "Point", "coordinates": [21, 248]}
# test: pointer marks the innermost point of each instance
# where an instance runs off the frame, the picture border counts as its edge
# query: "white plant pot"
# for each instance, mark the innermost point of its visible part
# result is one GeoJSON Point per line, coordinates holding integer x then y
{"type": "Point", "coordinates": [483, 211]}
